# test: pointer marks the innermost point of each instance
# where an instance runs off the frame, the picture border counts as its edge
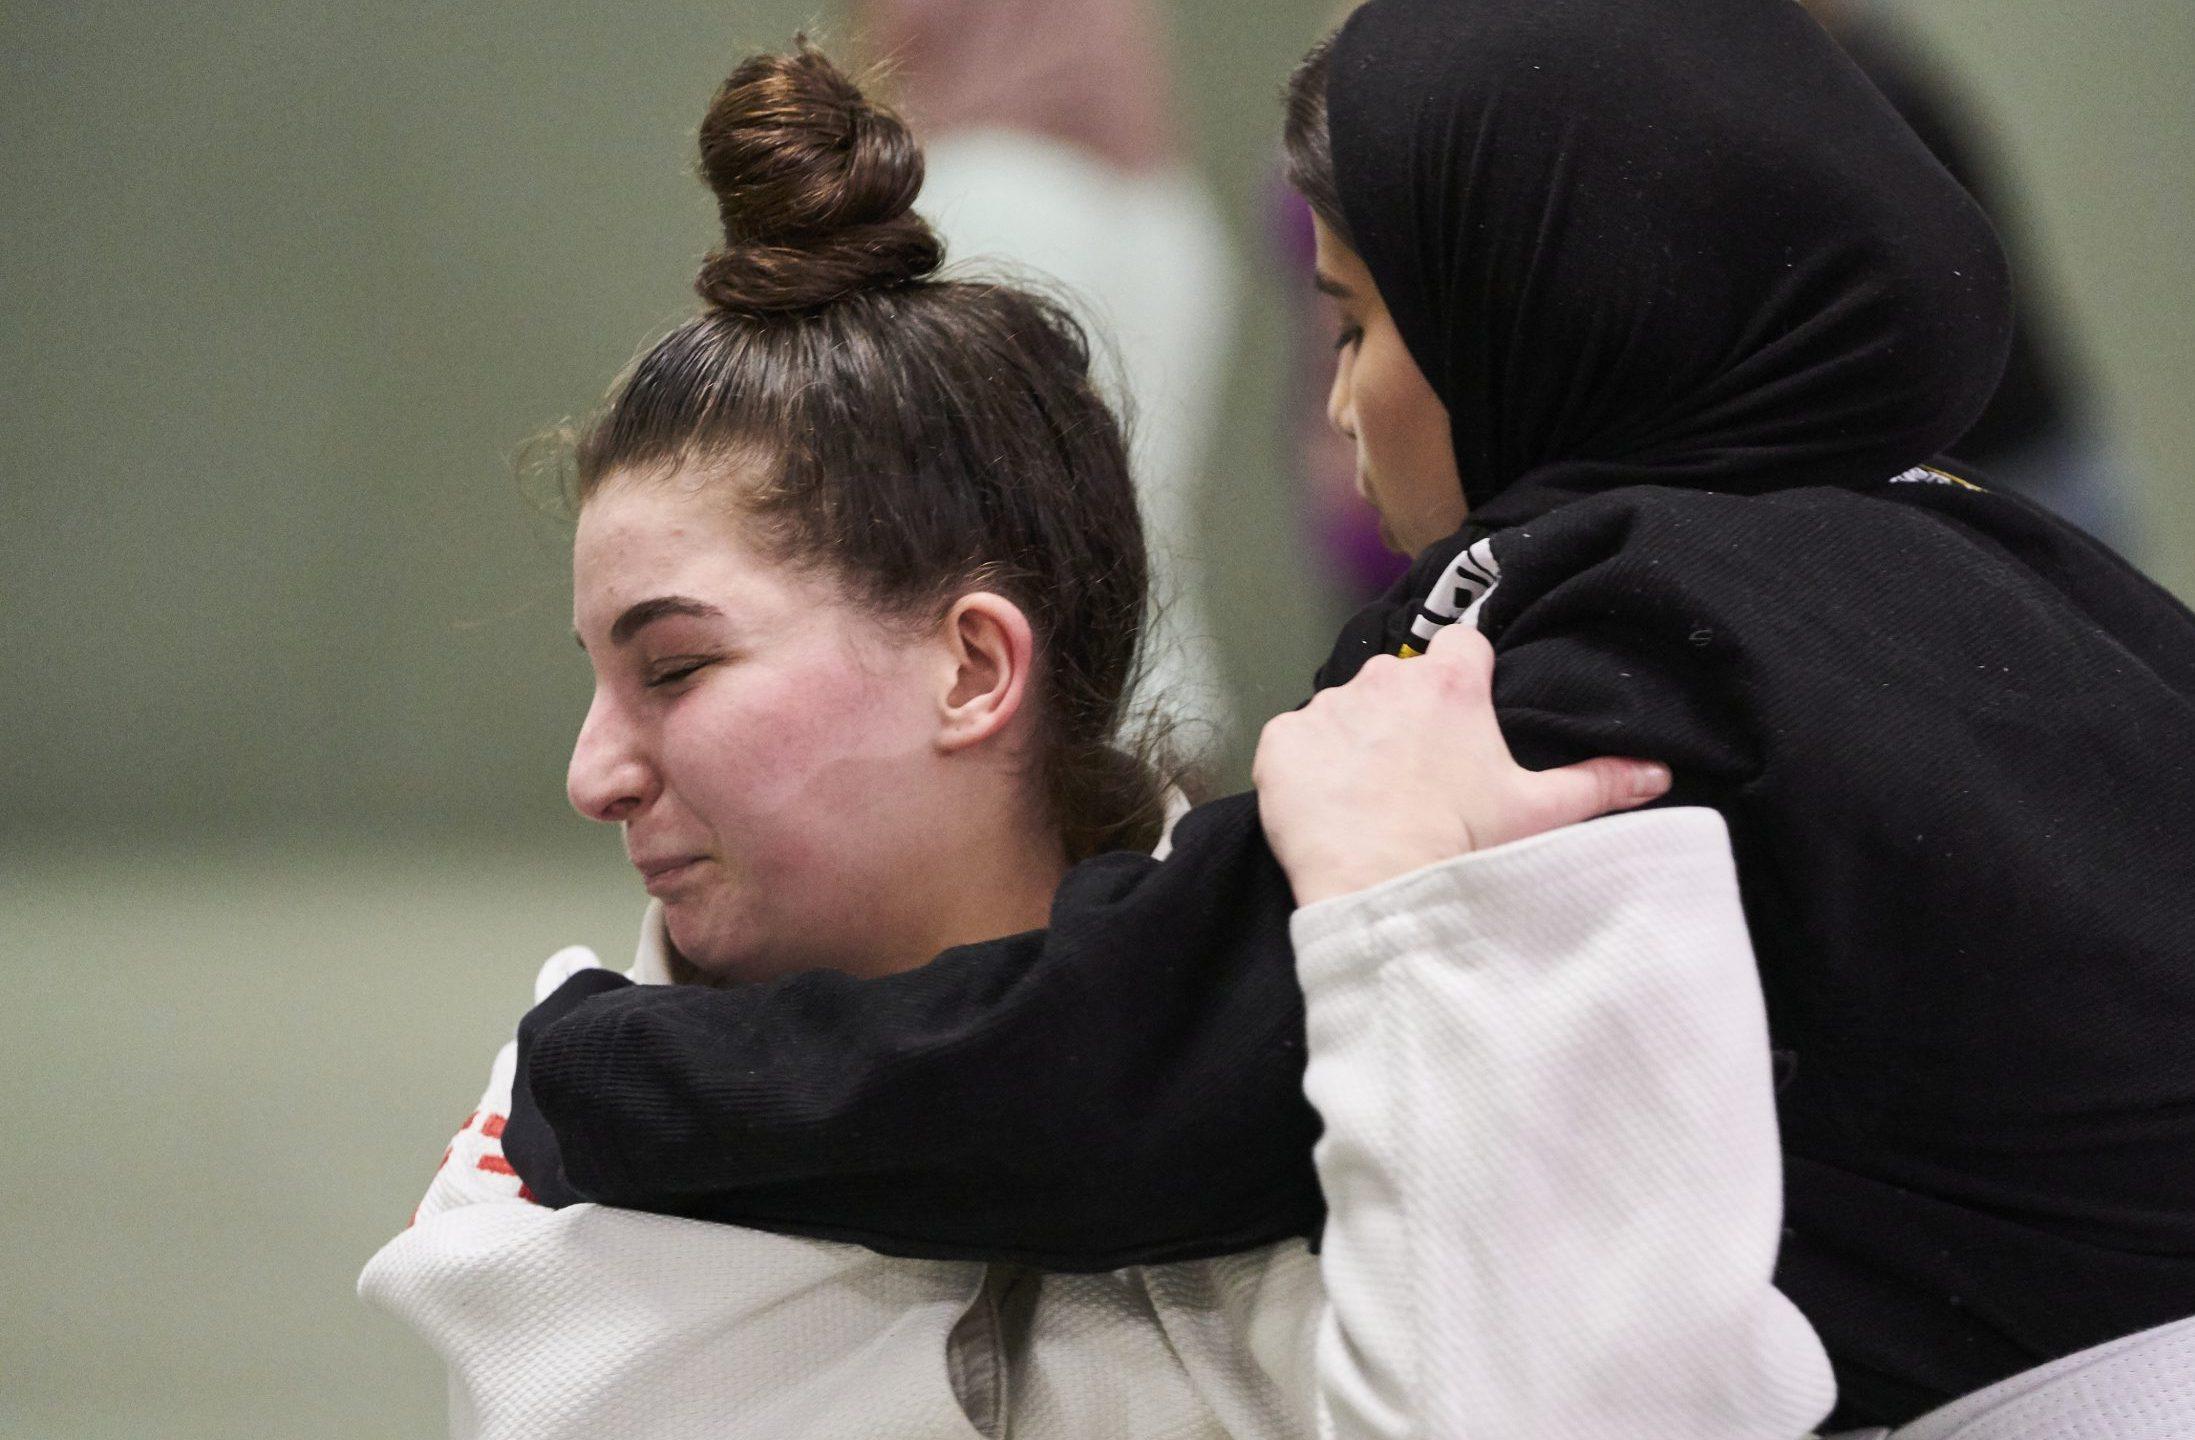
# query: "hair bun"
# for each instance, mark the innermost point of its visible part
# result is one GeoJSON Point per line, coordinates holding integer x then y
{"type": "Point", "coordinates": [816, 187]}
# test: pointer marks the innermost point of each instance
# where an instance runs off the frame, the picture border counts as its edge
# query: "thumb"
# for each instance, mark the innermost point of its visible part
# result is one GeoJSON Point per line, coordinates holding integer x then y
{"type": "Point", "coordinates": [560, 967]}
{"type": "Point", "coordinates": [1594, 787]}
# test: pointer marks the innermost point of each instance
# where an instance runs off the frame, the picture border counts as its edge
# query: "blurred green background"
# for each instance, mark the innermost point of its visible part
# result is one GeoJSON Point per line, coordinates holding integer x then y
{"type": "Point", "coordinates": [289, 679]}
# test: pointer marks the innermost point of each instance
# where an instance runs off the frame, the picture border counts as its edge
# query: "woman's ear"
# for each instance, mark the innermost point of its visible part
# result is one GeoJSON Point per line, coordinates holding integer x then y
{"type": "Point", "coordinates": [990, 651]}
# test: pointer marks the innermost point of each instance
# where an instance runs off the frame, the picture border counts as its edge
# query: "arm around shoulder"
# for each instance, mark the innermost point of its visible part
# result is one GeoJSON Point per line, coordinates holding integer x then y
{"type": "Point", "coordinates": [1550, 1152]}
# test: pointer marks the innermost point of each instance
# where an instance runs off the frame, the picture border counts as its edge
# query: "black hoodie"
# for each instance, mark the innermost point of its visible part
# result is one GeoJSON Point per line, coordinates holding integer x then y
{"type": "Point", "coordinates": [1701, 309]}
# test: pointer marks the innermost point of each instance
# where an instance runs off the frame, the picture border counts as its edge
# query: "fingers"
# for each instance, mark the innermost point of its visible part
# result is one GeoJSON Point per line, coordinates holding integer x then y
{"type": "Point", "coordinates": [1461, 644]}
{"type": "Point", "coordinates": [1593, 788]}
{"type": "Point", "coordinates": [1406, 765]}
{"type": "Point", "coordinates": [1461, 661]}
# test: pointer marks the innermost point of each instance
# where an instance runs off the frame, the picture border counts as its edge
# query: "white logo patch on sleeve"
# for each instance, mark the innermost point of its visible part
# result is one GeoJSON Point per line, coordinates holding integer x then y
{"type": "Point", "coordinates": [1930, 475]}
{"type": "Point", "coordinates": [1457, 595]}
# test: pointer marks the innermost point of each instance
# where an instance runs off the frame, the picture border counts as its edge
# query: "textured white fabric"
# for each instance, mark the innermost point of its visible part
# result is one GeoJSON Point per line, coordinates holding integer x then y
{"type": "Point", "coordinates": [592, 1322]}
{"type": "Point", "coordinates": [1245, 1329]}
{"type": "Point", "coordinates": [1549, 1150]}
{"type": "Point", "coordinates": [1084, 1356]}
{"type": "Point", "coordinates": [2138, 1387]}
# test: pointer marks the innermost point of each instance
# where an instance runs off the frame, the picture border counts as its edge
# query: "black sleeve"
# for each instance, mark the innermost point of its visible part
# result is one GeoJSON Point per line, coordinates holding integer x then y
{"type": "Point", "coordinates": [528, 1142]}
{"type": "Point", "coordinates": [1125, 1087]}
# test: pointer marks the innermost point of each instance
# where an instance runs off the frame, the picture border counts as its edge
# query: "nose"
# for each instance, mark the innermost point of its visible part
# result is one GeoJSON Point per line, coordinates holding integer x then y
{"type": "Point", "coordinates": [1341, 405]}
{"type": "Point", "coordinates": [609, 778]}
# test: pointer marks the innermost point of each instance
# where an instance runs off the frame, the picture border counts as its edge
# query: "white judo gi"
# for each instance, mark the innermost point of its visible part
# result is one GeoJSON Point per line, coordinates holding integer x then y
{"type": "Point", "coordinates": [1550, 1157]}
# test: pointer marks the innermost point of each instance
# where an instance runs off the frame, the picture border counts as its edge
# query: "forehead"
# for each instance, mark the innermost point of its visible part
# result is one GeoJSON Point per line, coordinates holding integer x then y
{"type": "Point", "coordinates": [638, 541]}
{"type": "Point", "coordinates": [1339, 263]}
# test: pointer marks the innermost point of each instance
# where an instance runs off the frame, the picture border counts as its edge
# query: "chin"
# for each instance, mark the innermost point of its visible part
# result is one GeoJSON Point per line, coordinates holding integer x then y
{"type": "Point", "coordinates": [728, 951]}
{"type": "Point", "coordinates": [710, 948]}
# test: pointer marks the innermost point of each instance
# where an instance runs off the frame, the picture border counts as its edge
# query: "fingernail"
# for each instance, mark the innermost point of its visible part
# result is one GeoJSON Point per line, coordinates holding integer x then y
{"type": "Point", "coordinates": [1650, 778]}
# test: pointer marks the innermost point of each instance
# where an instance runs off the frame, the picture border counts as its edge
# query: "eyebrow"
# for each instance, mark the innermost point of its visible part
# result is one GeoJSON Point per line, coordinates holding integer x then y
{"type": "Point", "coordinates": [1326, 284]}
{"type": "Point", "coordinates": [639, 617]}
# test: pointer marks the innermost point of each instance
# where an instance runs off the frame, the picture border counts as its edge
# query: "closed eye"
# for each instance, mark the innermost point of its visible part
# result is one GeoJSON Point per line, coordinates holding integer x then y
{"type": "Point", "coordinates": [675, 671]}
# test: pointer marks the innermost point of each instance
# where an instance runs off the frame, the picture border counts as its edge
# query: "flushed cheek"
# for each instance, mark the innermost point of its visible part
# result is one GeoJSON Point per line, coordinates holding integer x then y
{"type": "Point", "coordinates": [786, 777]}
{"type": "Point", "coordinates": [1393, 435]}
{"type": "Point", "coordinates": [1412, 474]}
{"type": "Point", "coordinates": [806, 808]}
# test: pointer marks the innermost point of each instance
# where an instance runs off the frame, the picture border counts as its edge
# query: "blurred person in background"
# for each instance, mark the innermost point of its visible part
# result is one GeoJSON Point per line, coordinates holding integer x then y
{"type": "Point", "coordinates": [1055, 154]}
{"type": "Point", "coordinates": [2040, 435]}
{"type": "Point", "coordinates": [859, 572]}
{"type": "Point", "coordinates": [1660, 315]}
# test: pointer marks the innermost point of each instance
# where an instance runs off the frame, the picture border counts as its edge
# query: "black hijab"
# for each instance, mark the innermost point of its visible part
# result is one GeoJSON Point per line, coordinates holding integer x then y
{"type": "Point", "coordinates": [1673, 242]}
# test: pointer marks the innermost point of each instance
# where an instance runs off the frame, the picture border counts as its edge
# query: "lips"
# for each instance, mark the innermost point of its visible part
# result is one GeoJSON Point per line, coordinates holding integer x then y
{"type": "Point", "coordinates": [661, 872]}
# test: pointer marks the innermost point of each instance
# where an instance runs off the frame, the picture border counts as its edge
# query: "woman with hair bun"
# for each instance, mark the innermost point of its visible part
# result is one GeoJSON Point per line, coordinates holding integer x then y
{"type": "Point", "coordinates": [858, 570]}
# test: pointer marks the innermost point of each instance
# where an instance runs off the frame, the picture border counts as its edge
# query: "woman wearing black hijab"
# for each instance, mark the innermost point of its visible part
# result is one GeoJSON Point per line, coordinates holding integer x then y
{"type": "Point", "coordinates": [1698, 311]}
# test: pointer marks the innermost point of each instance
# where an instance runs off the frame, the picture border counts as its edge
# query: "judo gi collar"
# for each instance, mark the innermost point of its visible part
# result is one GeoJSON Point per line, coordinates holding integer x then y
{"type": "Point", "coordinates": [1674, 242]}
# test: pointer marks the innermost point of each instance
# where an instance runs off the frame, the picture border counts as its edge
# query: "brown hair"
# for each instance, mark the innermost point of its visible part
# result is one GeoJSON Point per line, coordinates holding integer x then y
{"type": "Point", "coordinates": [916, 437]}
{"type": "Point", "coordinates": [1305, 140]}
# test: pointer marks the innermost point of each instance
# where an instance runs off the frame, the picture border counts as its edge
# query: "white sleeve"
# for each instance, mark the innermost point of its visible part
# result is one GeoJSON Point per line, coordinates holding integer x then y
{"type": "Point", "coordinates": [587, 1322]}
{"type": "Point", "coordinates": [1550, 1154]}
